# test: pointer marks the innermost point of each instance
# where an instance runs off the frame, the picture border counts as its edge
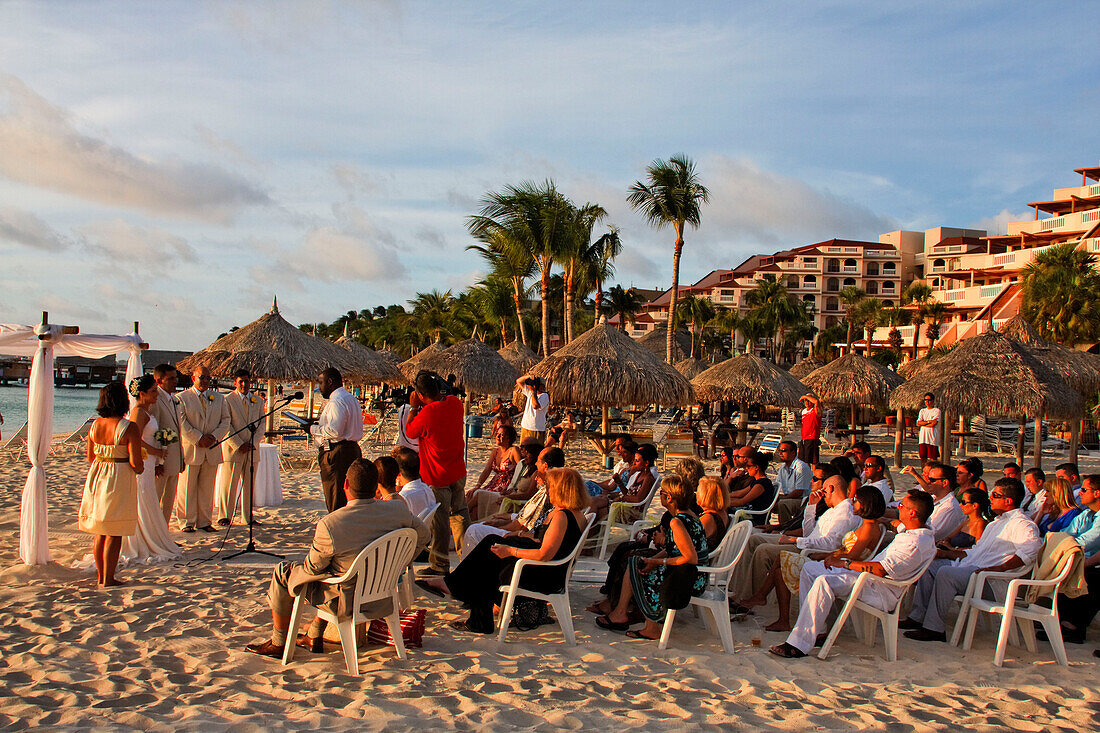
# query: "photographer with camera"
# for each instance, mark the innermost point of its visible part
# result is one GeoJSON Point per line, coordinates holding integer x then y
{"type": "Point", "coordinates": [436, 423]}
{"type": "Point", "coordinates": [533, 424]}
{"type": "Point", "coordinates": [401, 397]}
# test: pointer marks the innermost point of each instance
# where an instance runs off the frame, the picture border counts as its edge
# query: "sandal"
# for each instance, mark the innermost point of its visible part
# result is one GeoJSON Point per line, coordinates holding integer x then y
{"type": "Point", "coordinates": [787, 651]}
{"type": "Point", "coordinates": [315, 645]}
{"type": "Point", "coordinates": [605, 622]}
{"type": "Point", "coordinates": [597, 608]}
{"type": "Point", "coordinates": [461, 625]}
{"type": "Point", "coordinates": [738, 609]}
{"type": "Point", "coordinates": [429, 588]}
{"type": "Point", "coordinates": [639, 635]}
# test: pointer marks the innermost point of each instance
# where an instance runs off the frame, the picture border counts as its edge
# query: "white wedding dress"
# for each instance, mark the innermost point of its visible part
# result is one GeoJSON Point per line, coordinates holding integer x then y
{"type": "Point", "coordinates": [152, 541]}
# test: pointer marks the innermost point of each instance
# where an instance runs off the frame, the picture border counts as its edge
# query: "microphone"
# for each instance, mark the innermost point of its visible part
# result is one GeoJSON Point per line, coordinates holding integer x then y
{"type": "Point", "coordinates": [296, 396]}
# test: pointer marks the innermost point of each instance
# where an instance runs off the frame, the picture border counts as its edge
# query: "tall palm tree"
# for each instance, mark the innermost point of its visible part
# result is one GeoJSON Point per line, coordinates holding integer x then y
{"type": "Point", "coordinates": [728, 319]}
{"type": "Point", "coordinates": [1061, 294]}
{"type": "Point", "coordinates": [868, 313]}
{"type": "Point", "coordinates": [696, 310]}
{"type": "Point", "coordinates": [599, 267]}
{"type": "Point", "coordinates": [432, 311]}
{"type": "Point", "coordinates": [850, 296]}
{"type": "Point", "coordinates": [671, 196]}
{"type": "Point", "coordinates": [510, 261]}
{"type": "Point", "coordinates": [537, 219]}
{"type": "Point", "coordinates": [918, 294]}
{"type": "Point", "coordinates": [774, 306]}
{"type": "Point", "coordinates": [576, 255]}
{"type": "Point", "coordinates": [493, 298]}
{"type": "Point", "coordinates": [623, 303]}
{"type": "Point", "coordinates": [935, 313]}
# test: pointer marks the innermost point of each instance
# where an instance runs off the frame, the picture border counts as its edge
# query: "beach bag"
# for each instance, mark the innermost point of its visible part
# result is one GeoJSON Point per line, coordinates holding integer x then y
{"type": "Point", "coordinates": [677, 585]}
{"type": "Point", "coordinates": [412, 629]}
{"type": "Point", "coordinates": [530, 613]}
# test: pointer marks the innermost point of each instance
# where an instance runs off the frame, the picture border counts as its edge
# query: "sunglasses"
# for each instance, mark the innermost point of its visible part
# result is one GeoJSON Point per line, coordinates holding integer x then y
{"type": "Point", "coordinates": [964, 503]}
{"type": "Point", "coordinates": [819, 478]}
{"type": "Point", "coordinates": [996, 495]}
{"type": "Point", "coordinates": [870, 465]}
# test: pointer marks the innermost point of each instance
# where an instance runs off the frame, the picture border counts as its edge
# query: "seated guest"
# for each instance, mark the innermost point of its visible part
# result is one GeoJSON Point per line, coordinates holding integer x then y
{"type": "Point", "coordinates": [671, 573]}
{"type": "Point", "coordinates": [1069, 472]}
{"type": "Point", "coordinates": [1059, 508]}
{"type": "Point", "coordinates": [643, 475]}
{"type": "Point", "coordinates": [1012, 470]}
{"type": "Point", "coordinates": [847, 471]}
{"type": "Point", "coordinates": [563, 432]}
{"type": "Point", "coordinates": [524, 487]}
{"type": "Point", "coordinates": [725, 463]}
{"type": "Point", "coordinates": [738, 480]}
{"type": "Point", "coordinates": [821, 583]}
{"type": "Point", "coordinates": [874, 474]}
{"type": "Point", "coordinates": [822, 534]}
{"type": "Point", "coordinates": [759, 493]}
{"type": "Point", "coordinates": [337, 542]}
{"type": "Point", "coordinates": [978, 514]}
{"type": "Point", "coordinates": [499, 467]}
{"type": "Point", "coordinates": [1077, 613]}
{"type": "Point", "coordinates": [1009, 542]}
{"type": "Point", "coordinates": [477, 579]}
{"type": "Point", "coordinates": [947, 514]}
{"type": "Point", "coordinates": [414, 491]}
{"type": "Point", "coordinates": [624, 448]}
{"type": "Point", "coordinates": [387, 469]}
{"type": "Point", "coordinates": [968, 475]}
{"type": "Point", "coordinates": [713, 503]}
{"type": "Point", "coordinates": [534, 510]}
{"type": "Point", "coordinates": [792, 479]}
{"type": "Point", "coordinates": [858, 455]}
{"type": "Point", "coordinates": [859, 544]}
{"type": "Point", "coordinates": [1035, 480]}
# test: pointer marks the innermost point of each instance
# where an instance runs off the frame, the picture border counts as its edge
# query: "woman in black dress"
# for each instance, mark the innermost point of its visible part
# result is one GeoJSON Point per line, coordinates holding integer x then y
{"type": "Point", "coordinates": [477, 579]}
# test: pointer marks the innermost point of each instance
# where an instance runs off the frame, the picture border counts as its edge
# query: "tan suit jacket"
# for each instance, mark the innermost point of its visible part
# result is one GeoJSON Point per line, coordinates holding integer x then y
{"type": "Point", "coordinates": [202, 415]}
{"type": "Point", "coordinates": [338, 540]}
{"type": "Point", "coordinates": [242, 410]}
{"type": "Point", "coordinates": [167, 414]}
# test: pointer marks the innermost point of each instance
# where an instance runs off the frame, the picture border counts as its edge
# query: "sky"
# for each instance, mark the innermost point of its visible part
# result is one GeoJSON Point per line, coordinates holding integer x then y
{"type": "Point", "coordinates": [182, 163]}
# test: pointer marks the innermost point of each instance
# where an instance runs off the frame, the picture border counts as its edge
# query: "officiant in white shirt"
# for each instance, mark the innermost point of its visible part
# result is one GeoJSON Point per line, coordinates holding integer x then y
{"type": "Point", "coordinates": [337, 433]}
{"type": "Point", "coordinates": [245, 407]}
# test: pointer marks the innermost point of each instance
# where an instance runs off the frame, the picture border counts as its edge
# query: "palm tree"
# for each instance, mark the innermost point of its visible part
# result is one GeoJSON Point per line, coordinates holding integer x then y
{"type": "Point", "coordinates": [493, 298]}
{"type": "Point", "coordinates": [868, 313]}
{"type": "Point", "coordinates": [895, 316]}
{"type": "Point", "coordinates": [508, 260]}
{"type": "Point", "coordinates": [935, 313]}
{"type": "Point", "coordinates": [576, 255]}
{"type": "Point", "coordinates": [671, 196]}
{"type": "Point", "coordinates": [598, 268]}
{"type": "Point", "coordinates": [432, 311]}
{"type": "Point", "coordinates": [536, 219]}
{"type": "Point", "coordinates": [774, 306]}
{"type": "Point", "coordinates": [851, 296]}
{"type": "Point", "coordinates": [623, 303]}
{"type": "Point", "coordinates": [728, 319]}
{"type": "Point", "coordinates": [1061, 294]}
{"type": "Point", "coordinates": [918, 294]}
{"type": "Point", "coordinates": [696, 310]}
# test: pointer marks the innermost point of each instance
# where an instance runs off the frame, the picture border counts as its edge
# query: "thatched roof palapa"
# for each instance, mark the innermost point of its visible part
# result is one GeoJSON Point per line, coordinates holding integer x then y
{"type": "Point", "coordinates": [1079, 369]}
{"type": "Point", "coordinates": [270, 348]}
{"type": "Point", "coordinates": [519, 356]}
{"type": "Point", "coordinates": [478, 368]}
{"type": "Point", "coordinates": [411, 366]}
{"type": "Point", "coordinates": [806, 366]}
{"type": "Point", "coordinates": [656, 342]}
{"type": "Point", "coordinates": [853, 380]}
{"type": "Point", "coordinates": [372, 367]}
{"type": "Point", "coordinates": [990, 374]}
{"type": "Point", "coordinates": [691, 368]}
{"type": "Point", "coordinates": [748, 379]}
{"type": "Point", "coordinates": [605, 367]}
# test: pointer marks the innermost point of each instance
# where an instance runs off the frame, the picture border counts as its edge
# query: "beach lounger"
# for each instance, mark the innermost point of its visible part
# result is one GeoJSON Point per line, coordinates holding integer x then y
{"type": "Point", "coordinates": [16, 444]}
{"type": "Point", "coordinates": [74, 441]}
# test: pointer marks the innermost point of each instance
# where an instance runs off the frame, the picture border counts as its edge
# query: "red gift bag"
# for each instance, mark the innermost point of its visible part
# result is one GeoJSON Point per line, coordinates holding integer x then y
{"type": "Point", "coordinates": [412, 629]}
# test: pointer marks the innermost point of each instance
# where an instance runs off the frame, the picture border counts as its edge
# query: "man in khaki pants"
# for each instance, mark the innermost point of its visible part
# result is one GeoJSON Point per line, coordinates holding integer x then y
{"type": "Point", "coordinates": [204, 420]}
{"type": "Point", "coordinates": [167, 413]}
{"type": "Point", "coordinates": [244, 408]}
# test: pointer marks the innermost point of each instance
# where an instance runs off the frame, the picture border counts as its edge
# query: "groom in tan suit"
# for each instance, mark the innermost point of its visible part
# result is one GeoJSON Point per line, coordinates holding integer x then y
{"type": "Point", "coordinates": [204, 420]}
{"type": "Point", "coordinates": [167, 414]}
{"type": "Point", "coordinates": [244, 408]}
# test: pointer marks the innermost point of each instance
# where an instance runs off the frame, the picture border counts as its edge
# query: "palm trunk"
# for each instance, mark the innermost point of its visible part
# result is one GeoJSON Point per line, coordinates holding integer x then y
{"type": "Point", "coordinates": [519, 312]}
{"type": "Point", "coordinates": [849, 337]}
{"type": "Point", "coordinates": [916, 337]}
{"type": "Point", "coordinates": [692, 337]}
{"type": "Point", "coordinates": [569, 298]}
{"type": "Point", "coordinates": [675, 290]}
{"type": "Point", "coordinates": [545, 312]}
{"type": "Point", "coordinates": [599, 296]}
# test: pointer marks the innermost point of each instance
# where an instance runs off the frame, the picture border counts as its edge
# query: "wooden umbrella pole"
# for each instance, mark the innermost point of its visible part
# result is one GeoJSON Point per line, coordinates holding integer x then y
{"type": "Point", "coordinates": [743, 424]}
{"type": "Point", "coordinates": [1038, 444]}
{"type": "Point", "coordinates": [852, 424]}
{"type": "Point", "coordinates": [899, 438]}
{"type": "Point", "coordinates": [1074, 439]}
{"type": "Point", "coordinates": [309, 401]}
{"type": "Point", "coordinates": [605, 425]}
{"type": "Point", "coordinates": [1020, 441]}
{"type": "Point", "coordinates": [962, 438]}
{"type": "Point", "coordinates": [270, 425]}
{"type": "Point", "coordinates": [945, 436]}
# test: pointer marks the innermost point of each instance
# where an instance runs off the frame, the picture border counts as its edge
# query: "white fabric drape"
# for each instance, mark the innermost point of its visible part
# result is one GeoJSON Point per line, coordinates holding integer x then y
{"type": "Point", "coordinates": [43, 343]}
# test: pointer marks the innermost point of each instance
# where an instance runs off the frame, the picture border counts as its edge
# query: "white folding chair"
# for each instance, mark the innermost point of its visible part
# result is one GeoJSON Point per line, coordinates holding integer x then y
{"type": "Point", "coordinates": [375, 573]}
{"type": "Point", "coordinates": [409, 578]}
{"type": "Point", "coordinates": [1024, 612]}
{"type": "Point", "coordinates": [623, 508]}
{"type": "Point", "coordinates": [887, 618]}
{"type": "Point", "coordinates": [559, 601]}
{"type": "Point", "coordinates": [715, 598]}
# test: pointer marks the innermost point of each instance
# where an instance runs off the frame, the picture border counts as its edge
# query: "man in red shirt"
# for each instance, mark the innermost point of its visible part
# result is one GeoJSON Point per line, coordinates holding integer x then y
{"type": "Point", "coordinates": [809, 449]}
{"type": "Point", "coordinates": [436, 421]}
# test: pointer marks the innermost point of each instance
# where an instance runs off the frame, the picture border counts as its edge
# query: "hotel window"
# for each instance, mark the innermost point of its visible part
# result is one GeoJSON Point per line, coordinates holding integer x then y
{"type": "Point", "coordinates": [871, 287]}
{"type": "Point", "coordinates": [792, 281]}
{"type": "Point", "coordinates": [832, 304]}
{"type": "Point", "coordinates": [832, 284]}
{"type": "Point", "coordinates": [849, 281]}
{"type": "Point", "coordinates": [809, 261]}
{"type": "Point", "coordinates": [809, 299]}
{"type": "Point", "coordinates": [872, 269]}
{"type": "Point", "coordinates": [833, 265]}
{"type": "Point", "coordinates": [887, 303]}
{"type": "Point", "coordinates": [809, 281]}
{"type": "Point", "coordinates": [849, 262]}
{"type": "Point", "coordinates": [888, 286]}
{"type": "Point", "coordinates": [889, 268]}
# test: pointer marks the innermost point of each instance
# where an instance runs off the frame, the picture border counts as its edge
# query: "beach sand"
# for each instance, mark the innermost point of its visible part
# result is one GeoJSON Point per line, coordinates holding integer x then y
{"type": "Point", "coordinates": [166, 650]}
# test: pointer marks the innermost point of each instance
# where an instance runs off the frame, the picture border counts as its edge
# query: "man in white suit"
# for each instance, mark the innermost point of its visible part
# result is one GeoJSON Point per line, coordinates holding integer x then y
{"type": "Point", "coordinates": [244, 408]}
{"type": "Point", "coordinates": [204, 420]}
{"type": "Point", "coordinates": [167, 414]}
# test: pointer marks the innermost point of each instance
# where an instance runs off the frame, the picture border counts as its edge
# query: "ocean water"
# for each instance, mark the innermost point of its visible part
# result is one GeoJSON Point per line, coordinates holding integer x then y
{"type": "Point", "coordinates": [71, 407]}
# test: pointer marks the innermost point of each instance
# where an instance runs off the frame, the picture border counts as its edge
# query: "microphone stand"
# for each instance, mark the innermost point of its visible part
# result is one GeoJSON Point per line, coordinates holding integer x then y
{"type": "Point", "coordinates": [253, 427]}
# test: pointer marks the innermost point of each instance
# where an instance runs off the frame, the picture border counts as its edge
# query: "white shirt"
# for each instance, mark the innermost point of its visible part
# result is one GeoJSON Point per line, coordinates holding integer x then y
{"type": "Point", "coordinates": [341, 419]}
{"type": "Point", "coordinates": [946, 517]}
{"type": "Point", "coordinates": [905, 556]}
{"type": "Point", "coordinates": [1033, 508]}
{"type": "Point", "coordinates": [1010, 534]}
{"type": "Point", "coordinates": [534, 412]}
{"type": "Point", "coordinates": [827, 533]}
{"type": "Point", "coordinates": [930, 434]}
{"type": "Point", "coordinates": [402, 439]}
{"type": "Point", "coordinates": [418, 496]}
{"type": "Point", "coordinates": [884, 486]}
{"type": "Point", "coordinates": [796, 476]}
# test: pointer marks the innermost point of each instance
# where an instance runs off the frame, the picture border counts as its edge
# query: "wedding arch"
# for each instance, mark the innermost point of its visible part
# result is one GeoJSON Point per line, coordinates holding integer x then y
{"type": "Point", "coordinates": [44, 342]}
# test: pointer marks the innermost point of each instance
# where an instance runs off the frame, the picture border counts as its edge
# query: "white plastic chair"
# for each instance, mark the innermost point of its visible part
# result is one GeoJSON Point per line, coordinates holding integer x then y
{"type": "Point", "coordinates": [975, 588]}
{"type": "Point", "coordinates": [620, 508]}
{"type": "Point", "coordinates": [762, 514]}
{"type": "Point", "coordinates": [409, 578]}
{"type": "Point", "coordinates": [888, 619]}
{"type": "Point", "coordinates": [559, 601]}
{"type": "Point", "coordinates": [1015, 608]}
{"type": "Point", "coordinates": [375, 573]}
{"type": "Point", "coordinates": [715, 598]}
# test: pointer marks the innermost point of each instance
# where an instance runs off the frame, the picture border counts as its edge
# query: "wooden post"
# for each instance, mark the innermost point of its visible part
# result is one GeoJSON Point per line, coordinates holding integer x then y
{"type": "Point", "coordinates": [309, 400]}
{"type": "Point", "coordinates": [1038, 445]}
{"type": "Point", "coordinates": [962, 438]}
{"type": "Point", "coordinates": [1020, 442]}
{"type": "Point", "coordinates": [605, 426]}
{"type": "Point", "coordinates": [1075, 439]}
{"type": "Point", "coordinates": [945, 436]}
{"type": "Point", "coordinates": [743, 424]}
{"type": "Point", "coordinates": [899, 438]}
{"type": "Point", "coordinates": [270, 425]}
{"type": "Point", "coordinates": [852, 424]}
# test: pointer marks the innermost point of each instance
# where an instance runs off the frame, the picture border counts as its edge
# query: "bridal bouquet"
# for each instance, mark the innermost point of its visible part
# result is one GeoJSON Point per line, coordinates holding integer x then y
{"type": "Point", "coordinates": [165, 437]}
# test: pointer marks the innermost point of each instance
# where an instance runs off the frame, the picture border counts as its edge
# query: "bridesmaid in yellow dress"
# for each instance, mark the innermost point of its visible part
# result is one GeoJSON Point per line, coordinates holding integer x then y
{"type": "Point", "coordinates": [108, 508]}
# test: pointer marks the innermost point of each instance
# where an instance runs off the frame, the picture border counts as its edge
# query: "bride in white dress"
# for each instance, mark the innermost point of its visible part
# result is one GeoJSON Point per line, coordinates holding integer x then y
{"type": "Point", "coordinates": [152, 541]}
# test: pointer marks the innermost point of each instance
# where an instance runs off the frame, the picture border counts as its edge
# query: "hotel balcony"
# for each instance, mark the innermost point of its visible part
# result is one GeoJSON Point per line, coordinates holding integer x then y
{"type": "Point", "coordinates": [1078, 220]}
{"type": "Point", "coordinates": [970, 297]}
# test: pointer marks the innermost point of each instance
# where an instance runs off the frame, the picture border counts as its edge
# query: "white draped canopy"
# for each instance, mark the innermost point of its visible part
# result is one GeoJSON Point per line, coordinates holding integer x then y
{"type": "Point", "coordinates": [43, 343]}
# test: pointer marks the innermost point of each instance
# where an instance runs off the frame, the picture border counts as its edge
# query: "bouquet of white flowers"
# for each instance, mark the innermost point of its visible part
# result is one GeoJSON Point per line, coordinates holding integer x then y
{"type": "Point", "coordinates": [165, 437]}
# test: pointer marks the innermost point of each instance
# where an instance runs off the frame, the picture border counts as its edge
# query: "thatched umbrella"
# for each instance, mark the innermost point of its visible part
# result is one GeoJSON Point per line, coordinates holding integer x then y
{"type": "Point", "coordinates": [270, 348]}
{"type": "Point", "coordinates": [806, 366]}
{"type": "Point", "coordinates": [371, 367]}
{"type": "Point", "coordinates": [852, 381]}
{"type": "Point", "coordinates": [604, 367]}
{"type": "Point", "coordinates": [992, 374]}
{"type": "Point", "coordinates": [519, 356]}
{"type": "Point", "coordinates": [692, 367]}
{"type": "Point", "coordinates": [411, 366]}
{"type": "Point", "coordinates": [389, 356]}
{"type": "Point", "coordinates": [748, 379]}
{"type": "Point", "coordinates": [656, 342]}
{"type": "Point", "coordinates": [478, 369]}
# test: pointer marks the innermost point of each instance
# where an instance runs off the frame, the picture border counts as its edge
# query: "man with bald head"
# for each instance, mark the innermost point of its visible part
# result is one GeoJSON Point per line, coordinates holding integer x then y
{"type": "Point", "coordinates": [204, 420]}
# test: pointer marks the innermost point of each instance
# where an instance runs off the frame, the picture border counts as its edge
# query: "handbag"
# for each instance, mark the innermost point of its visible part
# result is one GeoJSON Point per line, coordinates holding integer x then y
{"type": "Point", "coordinates": [677, 585]}
{"type": "Point", "coordinates": [412, 629]}
{"type": "Point", "coordinates": [530, 613]}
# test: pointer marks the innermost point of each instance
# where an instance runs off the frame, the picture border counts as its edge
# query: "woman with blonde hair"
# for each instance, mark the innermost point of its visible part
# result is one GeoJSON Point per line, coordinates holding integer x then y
{"type": "Point", "coordinates": [713, 499]}
{"type": "Point", "coordinates": [477, 579]}
{"type": "Point", "coordinates": [691, 470]}
{"type": "Point", "coordinates": [1060, 507]}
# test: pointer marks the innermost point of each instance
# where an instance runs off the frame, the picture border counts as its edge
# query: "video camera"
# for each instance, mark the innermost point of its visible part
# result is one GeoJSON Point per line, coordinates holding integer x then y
{"type": "Point", "coordinates": [446, 387]}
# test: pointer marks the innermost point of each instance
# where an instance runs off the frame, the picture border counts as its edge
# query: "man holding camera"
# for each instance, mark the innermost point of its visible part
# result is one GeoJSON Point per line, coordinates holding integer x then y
{"type": "Point", "coordinates": [436, 423]}
{"type": "Point", "coordinates": [533, 424]}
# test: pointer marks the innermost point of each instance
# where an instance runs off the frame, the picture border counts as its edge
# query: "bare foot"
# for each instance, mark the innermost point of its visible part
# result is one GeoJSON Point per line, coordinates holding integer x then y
{"type": "Point", "coordinates": [778, 626]}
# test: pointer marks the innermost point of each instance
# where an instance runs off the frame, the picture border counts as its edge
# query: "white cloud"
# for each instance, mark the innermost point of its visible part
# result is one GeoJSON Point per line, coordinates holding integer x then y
{"type": "Point", "coordinates": [330, 254]}
{"type": "Point", "coordinates": [355, 181]}
{"type": "Point", "coordinates": [23, 227]}
{"type": "Point", "coordinates": [129, 246]}
{"type": "Point", "coordinates": [40, 146]}
{"type": "Point", "coordinates": [998, 224]}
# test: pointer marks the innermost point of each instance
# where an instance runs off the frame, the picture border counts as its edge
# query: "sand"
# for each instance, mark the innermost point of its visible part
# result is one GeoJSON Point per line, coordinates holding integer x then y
{"type": "Point", "coordinates": [167, 651]}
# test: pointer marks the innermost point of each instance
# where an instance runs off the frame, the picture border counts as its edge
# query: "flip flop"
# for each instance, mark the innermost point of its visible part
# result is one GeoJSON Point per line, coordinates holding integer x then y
{"type": "Point", "coordinates": [738, 610]}
{"type": "Point", "coordinates": [604, 622]}
{"type": "Point", "coordinates": [429, 588]}
{"type": "Point", "coordinates": [639, 635]}
{"type": "Point", "coordinates": [787, 651]}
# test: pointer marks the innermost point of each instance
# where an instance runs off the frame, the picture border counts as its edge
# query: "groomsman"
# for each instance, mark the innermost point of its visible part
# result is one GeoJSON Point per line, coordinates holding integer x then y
{"type": "Point", "coordinates": [167, 414]}
{"type": "Point", "coordinates": [244, 408]}
{"type": "Point", "coordinates": [204, 421]}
